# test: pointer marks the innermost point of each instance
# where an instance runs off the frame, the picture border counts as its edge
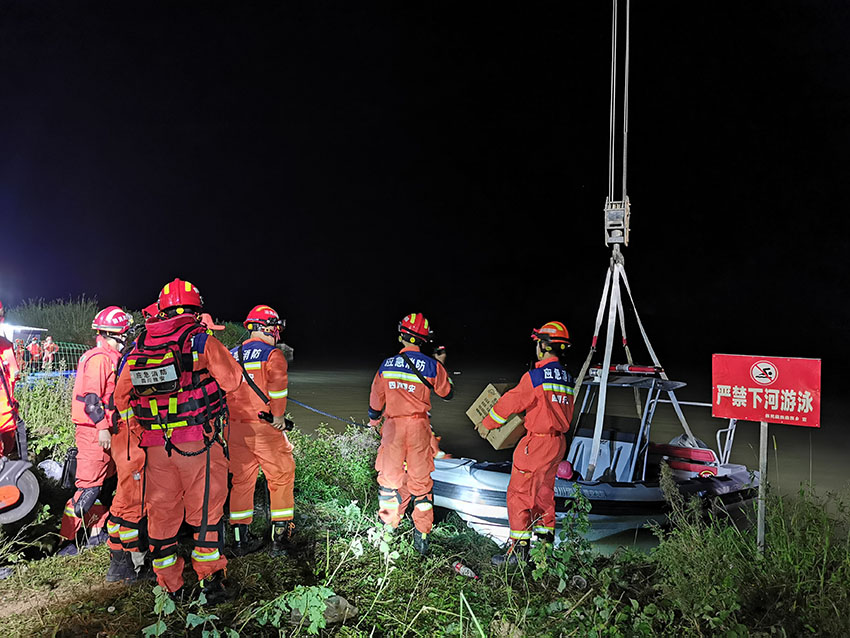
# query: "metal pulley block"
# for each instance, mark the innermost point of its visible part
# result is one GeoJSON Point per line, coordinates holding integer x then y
{"type": "Point", "coordinates": [617, 215]}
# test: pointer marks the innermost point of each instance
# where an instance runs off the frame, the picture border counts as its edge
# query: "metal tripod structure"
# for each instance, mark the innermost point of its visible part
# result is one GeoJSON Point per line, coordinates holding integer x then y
{"type": "Point", "coordinates": [617, 218]}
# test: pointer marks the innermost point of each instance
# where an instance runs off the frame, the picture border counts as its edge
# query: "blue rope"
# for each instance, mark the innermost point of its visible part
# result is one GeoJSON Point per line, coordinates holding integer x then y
{"type": "Point", "coordinates": [303, 405]}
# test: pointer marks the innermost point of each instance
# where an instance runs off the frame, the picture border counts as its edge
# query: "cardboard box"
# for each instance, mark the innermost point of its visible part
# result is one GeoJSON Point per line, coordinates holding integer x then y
{"type": "Point", "coordinates": [502, 438]}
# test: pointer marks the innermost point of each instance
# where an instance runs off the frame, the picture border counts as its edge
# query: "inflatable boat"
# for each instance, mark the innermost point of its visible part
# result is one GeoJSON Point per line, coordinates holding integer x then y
{"type": "Point", "coordinates": [623, 487]}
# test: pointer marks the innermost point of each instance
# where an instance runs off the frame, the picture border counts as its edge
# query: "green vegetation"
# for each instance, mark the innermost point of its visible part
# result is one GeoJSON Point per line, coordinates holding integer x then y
{"type": "Point", "coordinates": [45, 405]}
{"type": "Point", "coordinates": [704, 578]}
{"type": "Point", "coordinates": [64, 319]}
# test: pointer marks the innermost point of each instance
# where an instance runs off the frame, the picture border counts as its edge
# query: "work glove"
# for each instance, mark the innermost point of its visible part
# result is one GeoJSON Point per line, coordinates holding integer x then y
{"type": "Point", "coordinates": [104, 439]}
{"type": "Point", "coordinates": [440, 354]}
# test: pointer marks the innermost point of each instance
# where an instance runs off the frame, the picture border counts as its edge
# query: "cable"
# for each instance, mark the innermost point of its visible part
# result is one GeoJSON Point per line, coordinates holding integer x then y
{"type": "Point", "coordinates": [307, 407]}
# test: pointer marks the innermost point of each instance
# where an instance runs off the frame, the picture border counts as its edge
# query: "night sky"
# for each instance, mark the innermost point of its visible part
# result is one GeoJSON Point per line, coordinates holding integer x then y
{"type": "Point", "coordinates": [348, 164]}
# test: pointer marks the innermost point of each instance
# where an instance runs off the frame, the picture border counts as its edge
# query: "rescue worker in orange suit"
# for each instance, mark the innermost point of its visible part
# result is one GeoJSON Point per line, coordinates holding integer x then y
{"type": "Point", "coordinates": [126, 525]}
{"type": "Point", "coordinates": [20, 353]}
{"type": "Point", "coordinates": [8, 406]}
{"type": "Point", "coordinates": [174, 385]}
{"type": "Point", "coordinates": [50, 350]}
{"type": "Point", "coordinates": [401, 392]}
{"type": "Point", "coordinates": [545, 394]}
{"type": "Point", "coordinates": [34, 348]}
{"type": "Point", "coordinates": [256, 442]}
{"type": "Point", "coordinates": [91, 412]}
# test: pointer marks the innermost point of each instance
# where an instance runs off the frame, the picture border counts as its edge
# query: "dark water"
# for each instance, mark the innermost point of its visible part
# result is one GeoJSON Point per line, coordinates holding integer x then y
{"type": "Point", "coordinates": [796, 454]}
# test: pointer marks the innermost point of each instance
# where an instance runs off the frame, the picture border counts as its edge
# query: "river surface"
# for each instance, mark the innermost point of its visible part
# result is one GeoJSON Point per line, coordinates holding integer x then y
{"type": "Point", "coordinates": [796, 454]}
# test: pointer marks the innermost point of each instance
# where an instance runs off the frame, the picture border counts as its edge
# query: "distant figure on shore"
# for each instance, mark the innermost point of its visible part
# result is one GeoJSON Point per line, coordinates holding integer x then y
{"type": "Point", "coordinates": [50, 350]}
{"type": "Point", "coordinates": [34, 350]}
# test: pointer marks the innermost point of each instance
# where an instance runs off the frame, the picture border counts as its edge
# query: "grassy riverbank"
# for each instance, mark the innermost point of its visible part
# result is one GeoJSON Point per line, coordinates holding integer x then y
{"type": "Point", "coordinates": [704, 578]}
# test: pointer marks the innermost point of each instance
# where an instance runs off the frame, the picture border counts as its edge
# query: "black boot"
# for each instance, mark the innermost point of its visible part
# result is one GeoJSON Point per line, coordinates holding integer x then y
{"type": "Point", "coordinates": [517, 553]}
{"type": "Point", "coordinates": [178, 596]}
{"type": "Point", "coordinates": [121, 568]}
{"type": "Point", "coordinates": [420, 542]}
{"type": "Point", "coordinates": [244, 541]}
{"type": "Point", "coordinates": [281, 536]}
{"type": "Point", "coordinates": [213, 588]}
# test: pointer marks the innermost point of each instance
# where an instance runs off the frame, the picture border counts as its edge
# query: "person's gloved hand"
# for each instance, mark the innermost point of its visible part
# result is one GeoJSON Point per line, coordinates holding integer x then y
{"type": "Point", "coordinates": [279, 423]}
{"type": "Point", "coordinates": [104, 439]}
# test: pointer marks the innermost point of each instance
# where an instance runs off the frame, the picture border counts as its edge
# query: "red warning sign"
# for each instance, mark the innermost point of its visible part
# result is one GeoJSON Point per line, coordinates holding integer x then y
{"type": "Point", "coordinates": [773, 389]}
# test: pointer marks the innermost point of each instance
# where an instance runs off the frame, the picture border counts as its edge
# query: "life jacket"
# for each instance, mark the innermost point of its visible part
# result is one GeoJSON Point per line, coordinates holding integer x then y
{"type": "Point", "coordinates": [168, 392]}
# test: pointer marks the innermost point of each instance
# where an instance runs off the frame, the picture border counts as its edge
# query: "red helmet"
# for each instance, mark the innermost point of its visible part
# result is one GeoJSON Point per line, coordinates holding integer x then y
{"type": "Point", "coordinates": [263, 316]}
{"type": "Point", "coordinates": [415, 329]}
{"type": "Point", "coordinates": [112, 319]}
{"type": "Point", "coordinates": [552, 334]}
{"type": "Point", "coordinates": [179, 293]}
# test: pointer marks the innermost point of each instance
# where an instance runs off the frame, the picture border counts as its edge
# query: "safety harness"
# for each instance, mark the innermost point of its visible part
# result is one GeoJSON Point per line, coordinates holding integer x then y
{"type": "Point", "coordinates": [168, 393]}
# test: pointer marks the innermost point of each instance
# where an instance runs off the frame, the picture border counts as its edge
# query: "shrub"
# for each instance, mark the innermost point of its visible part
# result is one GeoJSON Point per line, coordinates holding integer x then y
{"type": "Point", "coordinates": [45, 405]}
{"type": "Point", "coordinates": [331, 465]}
{"type": "Point", "coordinates": [64, 319]}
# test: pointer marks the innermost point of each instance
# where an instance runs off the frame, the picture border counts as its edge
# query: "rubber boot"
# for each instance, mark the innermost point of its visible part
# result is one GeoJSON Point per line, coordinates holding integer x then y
{"type": "Point", "coordinates": [420, 542]}
{"type": "Point", "coordinates": [213, 588]}
{"type": "Point", "coordinates": [281, 536]}
{"type": "Point", "coordinates": [244, 541]}
{"type": "Point", "coordinates": [120, 567]}
{"type": "Point", "coordinates": [516, 553]}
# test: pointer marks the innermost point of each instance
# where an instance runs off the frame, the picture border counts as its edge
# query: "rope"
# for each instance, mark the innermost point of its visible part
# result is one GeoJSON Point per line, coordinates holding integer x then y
{"type": "Point", "coordinates": [613, 99]}
{"type": "Point", "coordinates": [331, 416]}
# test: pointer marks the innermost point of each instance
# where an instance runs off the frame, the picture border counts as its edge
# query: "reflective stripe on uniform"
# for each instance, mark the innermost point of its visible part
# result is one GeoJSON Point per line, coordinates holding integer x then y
{"type": "Point", "coordinates": [126, 414]}
{"type": "Point", "coordinates": [196, 555]}
{"type": "Point", "coordinates": [238, 516]}
{"type": "Point", "coordinates": [169, 426]}
{"type": "Point", "coordinates": [498, 419]}
{"type": "Point", "coordinates": [194, 356]}
{"type": "Point", "coordinates": [284, 513]}
{"type": "Point", "coordinates": [162, 563]}
{"type": "Point", "coordinates": [278, 395]}
{"type": "Point", "coordinates": [254, 365]}
{"type": "Point", "coordinates": [69, 511]}
{"type": "Point", "coordinates": [388, 505]}
{"type": "Point", "coordinates": [424, 506]}
{"type": "Point", "coordinates": [557, 387]}
{"type": "Point", "coordinates": [129, 534]}
{"type": "Point", "coordinates": [541, 529]}
{"type": "Point", "coordinates": [112, 528]}
{"type": "Point", "coordinates": [521, 534]}
{"type": "Point", "coordinates": [405, 376]}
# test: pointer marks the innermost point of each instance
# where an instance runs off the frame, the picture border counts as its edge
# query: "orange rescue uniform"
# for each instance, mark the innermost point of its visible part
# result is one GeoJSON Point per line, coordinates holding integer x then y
{"type": "Point", "coordinates": [545, 394]}
{"type": "Point", "coordinates": [254, 443]}
{"type": "Point", "coordinates": [127, 510]}
{"type": "Point", "coordinates": [176, 485]}
{"type": "Point", "coordinates": [406, 437]}
{"type": "Point", "coordinates": [91, 412]}
{"type": "Point", "coordinates": [9, 369]}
